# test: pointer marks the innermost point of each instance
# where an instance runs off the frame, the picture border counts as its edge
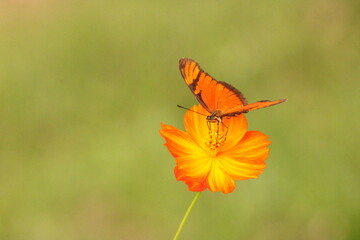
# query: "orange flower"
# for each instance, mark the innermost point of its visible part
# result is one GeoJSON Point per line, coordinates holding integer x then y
{"type": "Point", "coordinates": [211, 155]}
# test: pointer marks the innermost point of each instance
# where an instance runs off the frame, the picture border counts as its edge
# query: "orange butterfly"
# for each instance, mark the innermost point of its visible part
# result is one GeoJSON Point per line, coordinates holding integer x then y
{"type": "Point", "coordinates": [219, 98]}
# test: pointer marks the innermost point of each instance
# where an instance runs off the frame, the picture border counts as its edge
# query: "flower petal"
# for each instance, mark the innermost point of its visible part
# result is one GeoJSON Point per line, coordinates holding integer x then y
{"type": "Point", "coordinates": [239, 169]}
{"type": "Point", "coordinates": [196, 124]}
{"type": "Point", "coordinates": [219, 180]}
{"type": "Point", "coordinates": [246, 159]}
{"type": "Point", "coordinates": [237, 127]}
{"type": "Point", "coordinates": [195, 185]}
{"type": "Point", "coordinates": [195, 165]}
{"type": "Point", "coordinates": [178, 142]}
{"type": "Point", "coordinates": [253, 145]}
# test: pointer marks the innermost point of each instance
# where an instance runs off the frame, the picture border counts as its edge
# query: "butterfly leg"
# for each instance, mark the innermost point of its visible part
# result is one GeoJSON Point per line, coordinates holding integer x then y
{"type": "Point", "coordinates": [220, 137]}
{"type": "Point", "coordinates": [217, 131]}
{"type": "Point", "coordinates": [209, 126]}
{"type": "Point", "coordinates": [227, 129]}
{"type": "Point", "coordinates": [213, 133]}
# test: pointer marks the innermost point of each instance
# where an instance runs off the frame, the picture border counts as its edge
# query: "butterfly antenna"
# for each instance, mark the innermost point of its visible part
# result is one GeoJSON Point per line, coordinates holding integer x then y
{"type": "Point", "coordinates": [191, 110]}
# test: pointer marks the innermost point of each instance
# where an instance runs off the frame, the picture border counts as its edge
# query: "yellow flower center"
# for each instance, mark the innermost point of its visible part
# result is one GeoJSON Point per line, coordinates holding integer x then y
{"type": "Point", "coordinates": [214, 141]}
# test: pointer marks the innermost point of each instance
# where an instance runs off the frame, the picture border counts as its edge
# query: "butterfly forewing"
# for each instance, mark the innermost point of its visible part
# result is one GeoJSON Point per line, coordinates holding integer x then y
{"type": "Point", "coordinates": [191, 73]}
{"type": "Point", "coordinates": [212, 95]}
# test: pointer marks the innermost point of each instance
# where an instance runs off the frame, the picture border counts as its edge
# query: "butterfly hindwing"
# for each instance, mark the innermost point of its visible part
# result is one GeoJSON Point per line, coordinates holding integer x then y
{"type": "Point", "coordinates": [251, 106]}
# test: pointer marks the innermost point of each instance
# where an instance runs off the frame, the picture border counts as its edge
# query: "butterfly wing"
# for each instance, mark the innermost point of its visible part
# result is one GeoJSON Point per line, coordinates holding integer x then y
{"type": "Point", "coordinates": [252, 106]}
{"type": "Point", "coordinates": [213, 95]}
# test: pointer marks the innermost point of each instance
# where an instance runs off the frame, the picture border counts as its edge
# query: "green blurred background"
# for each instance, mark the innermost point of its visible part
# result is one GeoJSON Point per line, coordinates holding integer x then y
{"type": "Point", "coordinates": [85, 85]}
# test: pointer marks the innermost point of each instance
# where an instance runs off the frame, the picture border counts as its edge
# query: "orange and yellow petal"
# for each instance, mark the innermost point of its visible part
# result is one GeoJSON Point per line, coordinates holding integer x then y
{"type": "Point", "coordinates": [247, 159]}
{"type": "Point", "coordinates": [219, 180]}
{"type": "Point", "coordinates": [179, 143]}
{"type": "Point", "coordinates": [195, 185]}
{"type": "Point", "coordinates": [196, 124]}
{"type": "Point", "coordinates": [253, 146]}
{"type": "Point", "coordinates": [239, 169]}
{"type": "Point", "coordinates": [195, 166]}
{"type": "Point", "coordinates": [237, 127]}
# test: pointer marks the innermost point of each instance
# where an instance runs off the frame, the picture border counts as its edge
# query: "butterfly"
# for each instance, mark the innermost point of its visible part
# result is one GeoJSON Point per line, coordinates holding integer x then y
{"type": "Point", "coordinates": [219, 98]}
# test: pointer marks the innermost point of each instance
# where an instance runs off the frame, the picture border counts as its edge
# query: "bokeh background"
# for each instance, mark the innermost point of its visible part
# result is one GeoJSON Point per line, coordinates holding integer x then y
{"type": "Point", "coordinates": [84, 86]}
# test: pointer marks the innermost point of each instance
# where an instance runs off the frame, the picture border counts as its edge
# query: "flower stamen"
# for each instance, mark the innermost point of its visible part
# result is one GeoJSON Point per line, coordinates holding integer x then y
{"type": "Point", "coordinates": [215, 139]}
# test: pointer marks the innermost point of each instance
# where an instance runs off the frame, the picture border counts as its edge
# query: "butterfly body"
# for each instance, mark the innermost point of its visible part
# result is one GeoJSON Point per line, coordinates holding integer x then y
{"type": "Point", "coordinates": [215, 116]}
{"type": "Point", "coordinates": [219, 98]}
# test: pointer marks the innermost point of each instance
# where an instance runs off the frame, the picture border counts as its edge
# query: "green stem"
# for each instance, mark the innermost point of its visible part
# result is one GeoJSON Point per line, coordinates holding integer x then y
{"type": "Point", "coordinates": [186, 216]}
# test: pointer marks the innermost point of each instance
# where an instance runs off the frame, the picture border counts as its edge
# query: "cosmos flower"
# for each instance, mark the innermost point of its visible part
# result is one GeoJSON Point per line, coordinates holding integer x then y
{"type": "Point", "coordinates": [211, 155]}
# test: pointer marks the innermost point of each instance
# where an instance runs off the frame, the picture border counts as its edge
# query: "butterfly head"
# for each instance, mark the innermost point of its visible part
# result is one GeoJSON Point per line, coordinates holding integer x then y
{"type": "Point", "coordinates": [215, 116]}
